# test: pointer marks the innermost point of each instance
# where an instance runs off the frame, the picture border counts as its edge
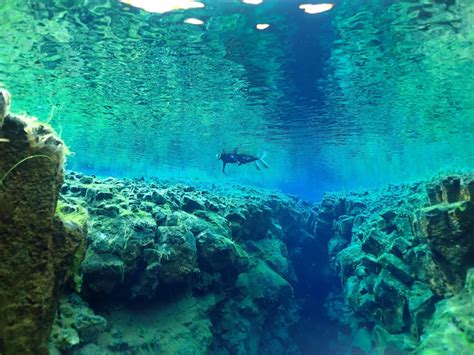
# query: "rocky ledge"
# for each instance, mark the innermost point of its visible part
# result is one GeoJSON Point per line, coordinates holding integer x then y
{"type": "Point", "coordinates": [175, 269]}
{"type": "Point", "coordinates": [399, 253]}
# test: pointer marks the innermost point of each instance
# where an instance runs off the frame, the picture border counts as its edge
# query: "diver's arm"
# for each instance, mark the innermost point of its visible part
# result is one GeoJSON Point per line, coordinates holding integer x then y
{"type": "Point", "coordinates": [223, 166]}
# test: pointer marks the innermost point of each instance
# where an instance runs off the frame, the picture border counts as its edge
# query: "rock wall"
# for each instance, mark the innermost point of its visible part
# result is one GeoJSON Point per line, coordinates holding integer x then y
{"type": "Point", "coordinates": [173, 269]}
{"type": "Point", "coordinates": [398, 252]}
{"type": "Point", "coordinates": [176, 269]}
{"type": "Point", "coordinates": [36, 247]}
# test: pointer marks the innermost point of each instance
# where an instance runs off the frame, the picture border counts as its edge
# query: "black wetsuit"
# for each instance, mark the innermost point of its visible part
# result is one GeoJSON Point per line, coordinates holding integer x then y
{"type": "Point", "coordinates": [236, 158]}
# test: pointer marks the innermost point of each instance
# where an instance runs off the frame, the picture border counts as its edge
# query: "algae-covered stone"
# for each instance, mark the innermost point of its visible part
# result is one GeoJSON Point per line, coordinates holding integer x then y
{"type": "Point", "coordinates": [451, 329]}
{"type": "Point", "coordinates": [449, 232]}
{"type": "Point", "coordinates": [388, 343]}
{"type": "Point", "coordinates": [273, 252]}
{"type": "Point", "coordinates": [396, 267]}
{"type": "Point", "coordinates": [178, 254]}
{"type": "Point", "coordinates": [250, 221]}
{"type": "Point", "coordinates": [77, 324]}
{"type": "Point", "coordinates": [102, 272]}
{"type": "Point", "coordinates": [218, 253]}
{"type": "Point", "coordinates": [192, 203]}
{"type": "Point", "coordinates": [261, 282]}
{"type": "Point", "coordinates": [34, 262]}
{"type": "Point", "coordinates": [344, 226]}
{"type": "Point", "coordinates": [420, 305]}
{"type": "Point", "coordinates": [390, 295]}
{"type": "Point", "coordinates": [362, 340]}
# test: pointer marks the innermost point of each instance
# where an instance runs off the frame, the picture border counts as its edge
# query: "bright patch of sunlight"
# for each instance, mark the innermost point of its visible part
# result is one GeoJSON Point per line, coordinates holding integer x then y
{"type": "Point", "coordinates": [316, 8]}
{"type": "Point", "coordinates": [162, 6]}
{"type": "Point", "coordinates": [262, 26]}
{"type": "Point", "coordinates": [194, 21]}
{"type": "Point", "coordinates": [252, 2]}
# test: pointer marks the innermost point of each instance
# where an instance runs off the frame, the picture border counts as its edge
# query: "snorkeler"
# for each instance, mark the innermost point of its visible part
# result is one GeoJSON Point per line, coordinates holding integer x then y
{"type": "Point", "coordinates": [239, 159]}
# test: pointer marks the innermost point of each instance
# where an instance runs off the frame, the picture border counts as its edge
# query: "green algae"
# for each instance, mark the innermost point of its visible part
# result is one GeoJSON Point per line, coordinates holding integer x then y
{"type": "Point", "coordinates": [451, 329]}
{"type": "Point", "coordinates": [76, 214]}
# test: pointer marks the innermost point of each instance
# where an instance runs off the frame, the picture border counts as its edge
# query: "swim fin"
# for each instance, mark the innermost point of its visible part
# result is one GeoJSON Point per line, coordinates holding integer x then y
{"type": "Point", "coordinates": [263, 161]}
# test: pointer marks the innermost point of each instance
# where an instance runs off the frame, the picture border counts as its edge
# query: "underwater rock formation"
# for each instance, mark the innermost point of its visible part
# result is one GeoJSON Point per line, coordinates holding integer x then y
{"type": "Point", "coordinates": [39, 250]}
{"type": "Point", "coordinates": [176, 269]}
{"type": "Point", "coordinates": [398, 252]}
{"type": "Point", "coordinates": [209, 268]}
{"type": "Point", "coordinates": [452, 327]}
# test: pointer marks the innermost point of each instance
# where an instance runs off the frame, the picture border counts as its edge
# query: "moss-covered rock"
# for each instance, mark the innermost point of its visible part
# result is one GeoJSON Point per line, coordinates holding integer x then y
{"type": "Point", "coordinates": [39, 252]}
{"type": "Point", "coordinates": [217, 253]}
{"type": "Point", "coordinates": [76, 324]}
{"type": "Point", "coordinates": [451, 329]}
{"type": "Point", "coordinates": [409, 247]}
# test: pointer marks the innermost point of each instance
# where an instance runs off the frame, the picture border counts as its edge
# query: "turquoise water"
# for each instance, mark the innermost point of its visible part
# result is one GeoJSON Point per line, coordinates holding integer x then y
{"type": "Point", "coordinates": [367, 93]}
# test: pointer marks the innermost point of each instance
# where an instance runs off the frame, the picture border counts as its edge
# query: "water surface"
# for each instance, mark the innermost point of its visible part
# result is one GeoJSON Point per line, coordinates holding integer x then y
{"type": "Point", "coordinates": [368, 93]}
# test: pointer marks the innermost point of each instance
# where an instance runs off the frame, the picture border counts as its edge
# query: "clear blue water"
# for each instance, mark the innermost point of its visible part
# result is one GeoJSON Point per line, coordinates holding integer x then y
{"type": "Point", "coordinates": [369, 93]}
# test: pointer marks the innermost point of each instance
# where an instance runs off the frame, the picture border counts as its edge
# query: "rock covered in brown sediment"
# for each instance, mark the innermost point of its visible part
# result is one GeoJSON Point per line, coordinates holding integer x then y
{"type": "Point", "coordinates": [36, 248]}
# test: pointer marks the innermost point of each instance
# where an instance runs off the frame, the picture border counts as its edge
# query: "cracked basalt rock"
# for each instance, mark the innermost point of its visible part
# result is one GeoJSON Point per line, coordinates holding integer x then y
{"type": "Point", "coordinates": [410, 247]}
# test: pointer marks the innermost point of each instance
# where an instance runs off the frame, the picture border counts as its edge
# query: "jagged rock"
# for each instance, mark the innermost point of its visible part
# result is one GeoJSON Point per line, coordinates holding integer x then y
{"type": "Point", "coordinates": [178, 254]}
{"type": "Point", "coordinates": [246, 249]}
{"type": "Point", "coordinates": [77, 324]}
{"type": "Point", "coordinates": [375, 242]}
{"type": "Point", "coordinates": [218, 253]}
{"type": "Point", "coordinates": [147, 283]}
{"type": "Point", "coordinates": [451, 329]}
{"type": "Point", "coordinates": [104, 195]}
{"type": "Point", "coordinates": [86, 180]}
{"type": "Point", "coordinates": [420, 305]}
{"type": "Point", "coordinates": [160, 216]}
{"type": "Point", "coordinates": [274, 253]}
{"type": "Point", "coordinates": [449, 232]}
{"type": "Point", "coordinates": [262, 283]}
{"type": "Point", "coordinates": [362, 340]}
{"type": "Point", "coordinates": [191, 204]}
{"type": "Point", "coordinates": [250, 222]}
{"type": "Point", "coordinates": [103, 273]}
{"type": "Point", "coordinates": [346, 260]}
{"type": "Point", "coordinates": [344, 226]}
{"type": "Point", "coordinates": [390, 294]}
{"type": "Point", "coordinates": [64, 338]}
{"type": "Point", "coordinates": [335, 246]}
{"type": "Point", "coordinates": [397, 267]}
{"type": "Point", "coordinates": [387, 343]}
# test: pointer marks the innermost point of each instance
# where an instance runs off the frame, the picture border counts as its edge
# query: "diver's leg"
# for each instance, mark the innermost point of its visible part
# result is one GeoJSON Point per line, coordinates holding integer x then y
{"type": "Point", "coordinates": [263, 163]}
{"type": "Point", "coordinates": [257, 166]}
{"type": "Point", "coordinates": [223, 167]}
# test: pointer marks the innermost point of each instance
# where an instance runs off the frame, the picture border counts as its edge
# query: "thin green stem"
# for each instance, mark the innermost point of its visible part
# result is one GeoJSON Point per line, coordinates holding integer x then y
{"type": "Point", "coordinates": [21, 162]}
